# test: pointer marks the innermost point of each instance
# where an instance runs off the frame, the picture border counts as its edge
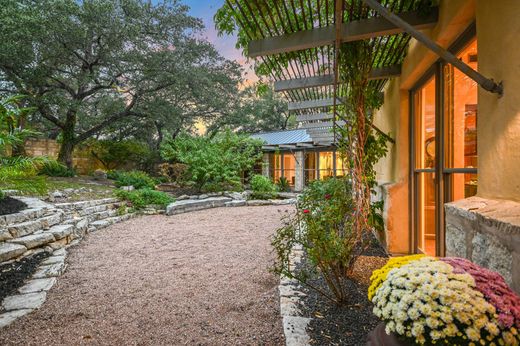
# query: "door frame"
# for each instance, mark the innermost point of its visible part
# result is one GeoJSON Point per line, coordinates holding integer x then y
{"type": "Point", "coordinates": [442, 174]}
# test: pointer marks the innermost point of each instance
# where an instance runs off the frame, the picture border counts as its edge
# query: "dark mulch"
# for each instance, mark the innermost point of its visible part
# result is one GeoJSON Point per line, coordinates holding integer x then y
{"type": "Point", "coordinates": [14, 275]}
{"type": "Point", "coordinates": [349, 324]}
{"type": "Point", "coordinates": [9, 205]}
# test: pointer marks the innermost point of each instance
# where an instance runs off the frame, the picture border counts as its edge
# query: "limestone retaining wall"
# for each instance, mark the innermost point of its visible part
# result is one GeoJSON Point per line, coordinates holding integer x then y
{"type": "Point", "coordinates": [487, 232]}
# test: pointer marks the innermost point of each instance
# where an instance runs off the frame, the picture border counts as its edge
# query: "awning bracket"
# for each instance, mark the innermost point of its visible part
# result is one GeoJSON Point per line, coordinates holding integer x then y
{"type": "Point", "coordinates": [486, 83]}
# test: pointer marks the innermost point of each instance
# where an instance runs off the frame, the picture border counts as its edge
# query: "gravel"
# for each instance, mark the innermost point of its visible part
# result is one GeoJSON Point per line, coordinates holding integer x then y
{"type": "Point", "coordinates": [199, 278]}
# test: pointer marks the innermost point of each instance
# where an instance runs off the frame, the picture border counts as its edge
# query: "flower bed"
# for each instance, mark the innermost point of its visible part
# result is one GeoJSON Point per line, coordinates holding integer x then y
{"type": "Point", "coordinates": [447, 301]}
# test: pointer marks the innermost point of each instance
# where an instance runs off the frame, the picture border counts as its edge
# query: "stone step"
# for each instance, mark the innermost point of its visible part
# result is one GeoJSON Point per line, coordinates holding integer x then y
{"type": "Point", "coordinates": [197, 204]}
{"type": "Point", "coordinates": [60, 231]}
{"type": "Point", "coordinates": [111, 220]}
{"type": "Point", "coordinates": [34, 240]}
{"type": "Point", "coordinates": [102, 215]}
{"type": "Point", "coordinates": [85, 204]}
{"type": "Point", "coordinates": [9, 251]}
{"type": "Point", "coordinates": [35, 209]}
{"type": "Point", "coordinates": [29, 227]}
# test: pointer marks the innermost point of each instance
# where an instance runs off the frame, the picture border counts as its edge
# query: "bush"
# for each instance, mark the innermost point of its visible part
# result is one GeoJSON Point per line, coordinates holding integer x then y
{"type": "Point", "coordinates": [144, 197]}
{"type": "Point", "coordinates": [53, 168]}
{"type": "Point", "coordinates": [262, 187]}
{"type": "Point", "coordinates": [137, 179]}
{"type": "Point", "coordinates": [283, 185]}
{"type": "Point", "coordinates": [19, 173]}
{"type": "Point", "coordinates": [217, 163]}
{"type": "Point", "coordinates": [322, 226]}
{"type": "Point", "coordinates": [119, 154]}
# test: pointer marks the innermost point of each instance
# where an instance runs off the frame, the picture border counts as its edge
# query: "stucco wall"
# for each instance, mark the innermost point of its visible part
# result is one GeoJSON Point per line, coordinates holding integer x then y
{"type": "Point", "coordinates": [455, 16]}
{"type": "Point", "coordinates": [498, 33]}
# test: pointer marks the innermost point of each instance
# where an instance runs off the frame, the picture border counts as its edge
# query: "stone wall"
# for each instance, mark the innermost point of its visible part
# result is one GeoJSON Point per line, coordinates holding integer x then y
{"type": "Point", "coordinates": [486, 232]}
{"type": "Point", "coordinates": [83, 161]}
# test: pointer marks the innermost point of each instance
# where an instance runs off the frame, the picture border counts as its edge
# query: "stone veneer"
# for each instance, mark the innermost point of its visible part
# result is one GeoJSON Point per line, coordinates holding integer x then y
{"type": "Point", "coordinates": [486, 232]}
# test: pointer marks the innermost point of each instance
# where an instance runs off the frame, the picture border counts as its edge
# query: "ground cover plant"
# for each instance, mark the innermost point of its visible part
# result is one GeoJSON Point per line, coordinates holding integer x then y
{"type": "Point", "coordinates": [137, 179]}
{"type": "Point", "coordinates": [143, 197]}
{"type": "Point", "coordinates": [53, 168]}
{"type": "Point", "coordinates": [447, 301]}
{"type": "Point", "coordinates": [214, 163]}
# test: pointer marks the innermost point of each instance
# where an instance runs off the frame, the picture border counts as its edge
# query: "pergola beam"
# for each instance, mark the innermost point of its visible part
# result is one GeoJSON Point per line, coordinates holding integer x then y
{"type": "Point", "coordinates": [351, 31]}
{"type": "Point", "coordinates": [312, 117]}
{"type": "Point", "coordinates": [321, 124]}
{"type": "Point", "coordinates": [311, 82]}
{"type": "Point", "coordinates": [407, 26]}
{"type": "Point", "coordinates": [295, 106]}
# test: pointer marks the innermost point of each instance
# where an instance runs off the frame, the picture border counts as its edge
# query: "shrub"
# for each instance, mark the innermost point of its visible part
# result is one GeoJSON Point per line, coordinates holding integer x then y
{"type": "Point", "coordinates": [322, 227]}
{"type": "Point", "coordinates": [283, 185]}
{"type": "Point", "coordinates": [19, 173]}
{"type": "Point", "coordinates": [119, 154]}
{"type": "Point", "coordinates": [447, 301]}
{"type": "Point", "coordinates": [173, 172]}
{"type": "Point", "coordinates": [218, 162]}
{"type": "Point", "coordinates": [262, 187]}
{"type": "Point", "coordinates": [53, 168]}
{"type": "Point", "coordinates": [137, 179]}
{"type": "Point", "coordinates": [142, 198]}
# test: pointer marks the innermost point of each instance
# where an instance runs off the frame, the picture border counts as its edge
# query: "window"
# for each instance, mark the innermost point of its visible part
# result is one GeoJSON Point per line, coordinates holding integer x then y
{"type": "Point", "coordinates": [283, 165]}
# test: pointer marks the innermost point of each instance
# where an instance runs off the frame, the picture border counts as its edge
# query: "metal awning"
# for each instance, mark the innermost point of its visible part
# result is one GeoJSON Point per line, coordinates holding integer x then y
{"type": "Point", "coordinates": [294, 139]}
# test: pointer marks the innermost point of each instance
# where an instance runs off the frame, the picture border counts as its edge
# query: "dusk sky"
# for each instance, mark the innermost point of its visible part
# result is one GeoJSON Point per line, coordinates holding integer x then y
{"type": "Point", "coordinates": [205, 9]}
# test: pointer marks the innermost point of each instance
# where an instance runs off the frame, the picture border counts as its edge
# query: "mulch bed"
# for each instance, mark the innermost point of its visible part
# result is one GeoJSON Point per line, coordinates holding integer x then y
{"type": "Point", "coordinates": [13, 275]}
{"type": "Point", "coordinates": [9, 205]}
{"type": "Point", "coordinates": [349, 324]}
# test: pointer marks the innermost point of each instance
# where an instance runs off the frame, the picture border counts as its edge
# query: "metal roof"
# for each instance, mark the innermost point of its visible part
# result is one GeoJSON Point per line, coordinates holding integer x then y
{"type": "Point", "coordinates": [284, 137]}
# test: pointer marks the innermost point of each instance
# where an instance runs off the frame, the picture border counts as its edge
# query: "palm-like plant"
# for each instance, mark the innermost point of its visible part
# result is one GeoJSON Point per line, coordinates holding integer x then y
{"type": "Point", "coordinates": [11, 118]}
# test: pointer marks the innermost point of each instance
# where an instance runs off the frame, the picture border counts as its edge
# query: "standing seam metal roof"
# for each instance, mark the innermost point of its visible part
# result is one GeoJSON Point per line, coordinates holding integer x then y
{"type": "Point", "coordinates": [284, 137]}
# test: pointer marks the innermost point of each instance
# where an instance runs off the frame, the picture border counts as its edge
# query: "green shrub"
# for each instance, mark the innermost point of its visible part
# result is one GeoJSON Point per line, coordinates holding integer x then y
{"type": "Point", "coordinates": [20, 173]}
{"type": "Point", "coordinates": [214, 163]}
{"type": "Point", "coordinates": [142, 198]}
{"type": "Point", "coordinates": [323, 227]}
{"type": "Point", "coordinates": [137, 179]}
{"type": "Point", "coordinates": [283, 185]}
{"type": "Point", "coordinates": [118, 154]}
{"type": "Point", "coordinates": [53, 168]}
{"type": "Point", "coordinates": [262, 187]}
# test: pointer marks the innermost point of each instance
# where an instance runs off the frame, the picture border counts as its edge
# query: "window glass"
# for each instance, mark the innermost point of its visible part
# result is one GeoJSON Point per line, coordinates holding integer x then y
{"type": "Point", "coordinates": [425, 125]}
{"type": "Point", "coordinates": [460, 109]}
{"type": "Point", "coordinates": [326, 164]}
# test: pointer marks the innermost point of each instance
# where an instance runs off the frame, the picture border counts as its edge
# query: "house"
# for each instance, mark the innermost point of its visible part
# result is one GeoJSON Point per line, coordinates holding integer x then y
{"type": "Point", "coordinates": [451, 81]}
{"type": "Point", "coordinates": [294, 155]}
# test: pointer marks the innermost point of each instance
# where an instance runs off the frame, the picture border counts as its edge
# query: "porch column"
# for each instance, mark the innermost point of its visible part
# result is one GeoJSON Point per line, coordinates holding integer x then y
{"type": "Point", "coordinates": [299, 173]}
{"type": "Point", "coordinates": [265, 165]}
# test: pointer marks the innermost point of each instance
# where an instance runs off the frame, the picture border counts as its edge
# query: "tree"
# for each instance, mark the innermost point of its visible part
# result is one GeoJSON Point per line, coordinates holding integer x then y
{"type": "Point", "coordinates": [88, 65]}
{"type": "Point", "coordinates": [259, 109]}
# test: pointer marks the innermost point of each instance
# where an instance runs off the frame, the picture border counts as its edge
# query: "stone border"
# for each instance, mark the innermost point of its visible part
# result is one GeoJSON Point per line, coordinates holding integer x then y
{"type": "Point", "coordinates": [33, 293]}
{"type": "Point", "coordinates": [187, 205]}
{"type": "Point", "coordinates": [294, 325]}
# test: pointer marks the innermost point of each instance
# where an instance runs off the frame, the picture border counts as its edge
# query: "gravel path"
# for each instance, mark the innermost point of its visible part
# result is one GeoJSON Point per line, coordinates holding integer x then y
{"type": "Point", "coordinates": [199, 278]}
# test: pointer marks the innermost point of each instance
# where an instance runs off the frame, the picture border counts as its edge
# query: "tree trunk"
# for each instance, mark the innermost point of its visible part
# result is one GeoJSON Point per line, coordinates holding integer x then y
{"type": "Point", "coordinates": [68, 140]}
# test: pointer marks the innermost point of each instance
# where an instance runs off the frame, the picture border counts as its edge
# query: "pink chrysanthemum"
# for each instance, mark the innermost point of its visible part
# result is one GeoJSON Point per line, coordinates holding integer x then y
{"type": "Point", "coordinates": [494, 288]}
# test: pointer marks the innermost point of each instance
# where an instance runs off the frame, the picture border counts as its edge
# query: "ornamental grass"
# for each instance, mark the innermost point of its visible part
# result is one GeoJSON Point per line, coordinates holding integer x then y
{"type": "Point", "coordinates": [448, 301]}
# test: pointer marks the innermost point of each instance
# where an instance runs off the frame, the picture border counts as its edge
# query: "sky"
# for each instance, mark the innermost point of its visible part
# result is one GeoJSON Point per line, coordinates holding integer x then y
{"type": "Point", "coordinates": [205, 9]}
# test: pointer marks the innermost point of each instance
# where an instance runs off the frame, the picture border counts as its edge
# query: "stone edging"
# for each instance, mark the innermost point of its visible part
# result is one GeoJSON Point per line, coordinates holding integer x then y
{"type": "Point", "coordinates": [294, 325]}
{"type": "Point", "coordinates": [33, 294]}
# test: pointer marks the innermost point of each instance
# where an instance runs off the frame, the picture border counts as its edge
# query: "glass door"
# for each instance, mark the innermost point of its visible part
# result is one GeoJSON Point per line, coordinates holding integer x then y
{"type": "Point", "coordinates": [425, 135]}
{"type": "Point", "coordinates": [444, 116]}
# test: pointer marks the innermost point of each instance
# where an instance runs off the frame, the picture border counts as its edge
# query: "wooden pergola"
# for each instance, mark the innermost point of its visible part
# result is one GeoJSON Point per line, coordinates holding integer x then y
{"type": "Point", "coordinates": [299, 41]}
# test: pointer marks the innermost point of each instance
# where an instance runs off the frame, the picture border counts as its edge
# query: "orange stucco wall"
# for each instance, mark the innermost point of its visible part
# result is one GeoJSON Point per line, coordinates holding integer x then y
{"type": "Point", "coordinates": [498, 33]}
{"type": "Point", "coordinates": [393, 171]}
